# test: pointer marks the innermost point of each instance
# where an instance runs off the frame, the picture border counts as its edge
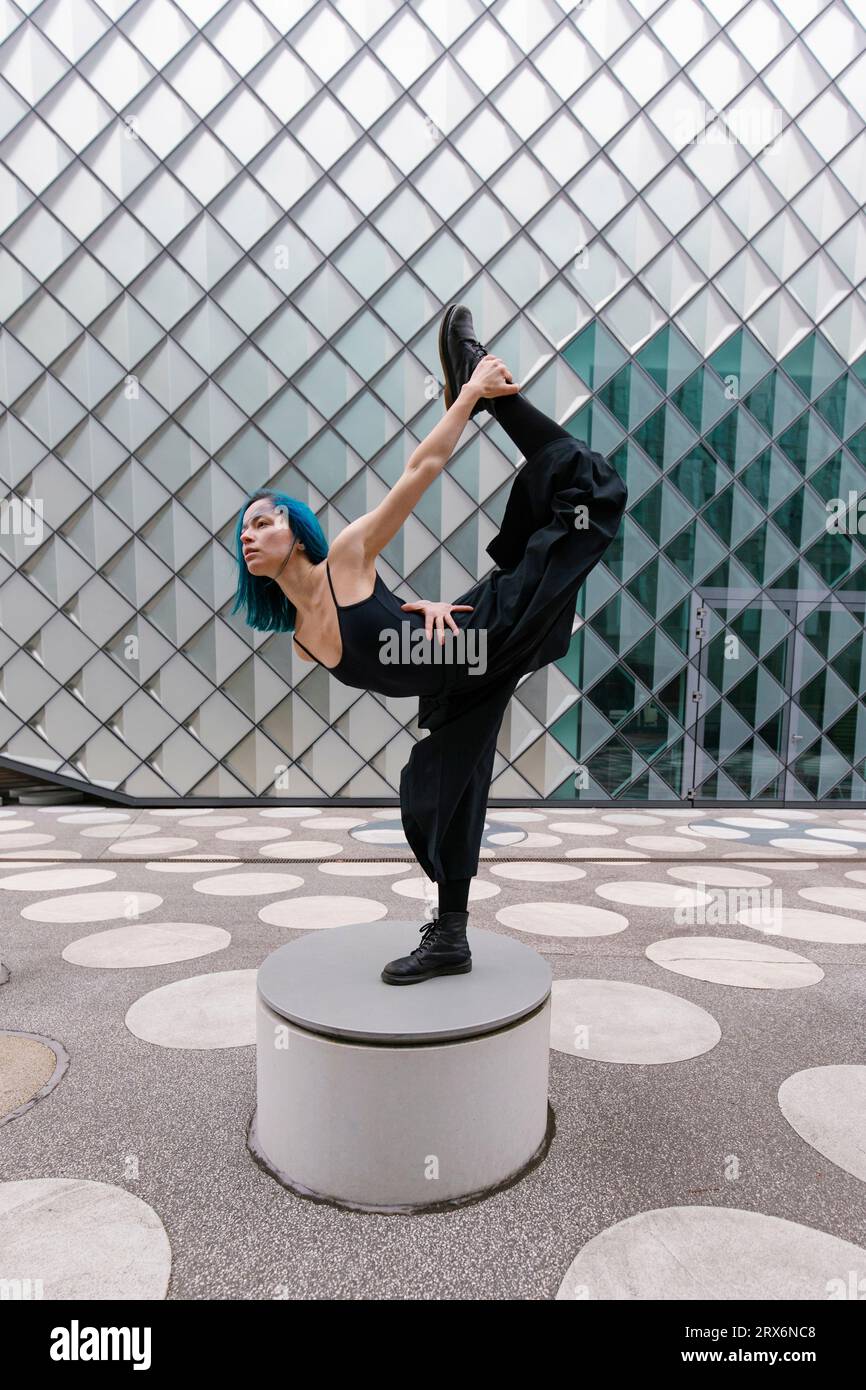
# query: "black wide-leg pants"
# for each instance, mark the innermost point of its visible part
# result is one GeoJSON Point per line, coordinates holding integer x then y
{"type": "Point", "coordinates": [564, 509]}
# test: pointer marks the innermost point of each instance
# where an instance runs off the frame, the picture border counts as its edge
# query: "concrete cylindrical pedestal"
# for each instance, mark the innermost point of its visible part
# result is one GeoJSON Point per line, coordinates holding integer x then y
{"type": "Point", "coordinates": [400, 1097]}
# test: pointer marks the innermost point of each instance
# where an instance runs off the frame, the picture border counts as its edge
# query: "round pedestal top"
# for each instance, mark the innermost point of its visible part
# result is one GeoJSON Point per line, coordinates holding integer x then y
{"type": "Point", "coordinates": [329, 981]}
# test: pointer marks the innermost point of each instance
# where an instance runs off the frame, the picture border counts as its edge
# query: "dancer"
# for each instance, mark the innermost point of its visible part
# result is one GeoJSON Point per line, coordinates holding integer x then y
{"type": "Point", "coordinates": [564, 509]}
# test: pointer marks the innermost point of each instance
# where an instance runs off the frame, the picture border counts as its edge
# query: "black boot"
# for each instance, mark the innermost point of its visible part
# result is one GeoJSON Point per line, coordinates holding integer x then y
{"type": "Point", "coordinates": [444, 950]}
{"type": "Point", "coordinates": [459, 352]}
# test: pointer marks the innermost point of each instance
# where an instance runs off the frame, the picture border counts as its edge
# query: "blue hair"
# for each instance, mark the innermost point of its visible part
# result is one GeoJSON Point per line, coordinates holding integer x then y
{"type": "Point", "coordinates": [266, 605]}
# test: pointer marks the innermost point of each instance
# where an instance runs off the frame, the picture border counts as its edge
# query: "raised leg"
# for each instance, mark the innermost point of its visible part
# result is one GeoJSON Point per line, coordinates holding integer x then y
{"type": "Point", "coordinates": [527, 427]}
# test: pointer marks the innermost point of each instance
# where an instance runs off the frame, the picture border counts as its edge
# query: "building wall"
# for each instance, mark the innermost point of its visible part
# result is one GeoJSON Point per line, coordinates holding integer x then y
{"type": "Point", "coordinates": [227, 234]}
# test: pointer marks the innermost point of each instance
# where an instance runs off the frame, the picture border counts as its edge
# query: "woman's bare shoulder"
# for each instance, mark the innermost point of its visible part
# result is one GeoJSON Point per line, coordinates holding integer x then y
{"type": "Point", "coordinates": [353, 575]}
{"type": "Point", "coordinates": [349, 548]}
{"type": "Point", "coordinates": [353, 570]}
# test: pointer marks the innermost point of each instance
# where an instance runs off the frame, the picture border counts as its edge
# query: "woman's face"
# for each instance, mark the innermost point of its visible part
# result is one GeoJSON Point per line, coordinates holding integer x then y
{"type": "Point", "coordinates": [265, 537]}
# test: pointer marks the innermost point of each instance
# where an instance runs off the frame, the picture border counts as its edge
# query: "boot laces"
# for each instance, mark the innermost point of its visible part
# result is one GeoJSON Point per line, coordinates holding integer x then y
{"type": "Point", "coordinates": [475, 349]}
{"type": "Point", "coordinates": [427, 931]}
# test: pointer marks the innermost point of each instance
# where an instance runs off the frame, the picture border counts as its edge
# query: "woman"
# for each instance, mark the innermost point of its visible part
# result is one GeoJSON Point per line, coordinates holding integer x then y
{"type": "Point", "coordinates": [563, 511]}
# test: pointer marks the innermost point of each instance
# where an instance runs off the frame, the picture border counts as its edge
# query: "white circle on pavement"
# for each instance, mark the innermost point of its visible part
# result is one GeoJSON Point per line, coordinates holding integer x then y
{"type": "Point", "coordinates": [666, 844]}
{"type": "Point", "coordinates": [804, 846]}
{"type": "Point", "coordinates": [803, 924]}
{"type": "Point", "coordinates": [293, 812]}
{"type": "Point", "coordinates": [92, 907]}
{"type": "Point", "coordinates": [562, 919]}
{"type": "Point", "coordinates": [149, 943]}
{"type": "Point", "coordinates": [526, 839]}
{"type": "Point", "coordinates": [852, 837]}
{"type": "Point", "coordinates": [15, 824]}
{"type": "Point", "coordinates": [46, 879]}
{"type": "Point", "coordinates": [168, 845]}
{"type": "Point", "coordinates": [300, 849]}
{"type": "Point", "coordinates": [203, 1011]}
{"type": "Point", "coordinates": [92, 818]}
{"type": "Point", "coordinates": [479, 888]}
{"type": "Point", "coordinates": [619, 1021]}
{"type": "Point", "coordinates": [393, 836]}
{"type": "Point", "coordinates": [332, 822]}
{"type": "Point", "coordinates": [827, 1107]}
{"type": "Point", "coordinates": [247, 884]}
{"type": "Point", "coordinates": [45, 856]}
{"type": "Point", "coordinates": [246, 833]}
{"type": "Point", "coordinates": [517, 816]}
{"type": "Point", "coordinates": [840, 895]}
{"type": "Point", "coordinates": [633, 818]}
{"type": "Point", "coordinates": [23, 840]}
{"type": "Point", "coordinates": [362, 868]}
{"type": "Point", "coordinates": [87, 1240]}
{"type": "Point", "coordinates": [716, 1253]}
{"type": "Point", "coordinates": [652, 893]}
{"type": "Point", "coordinates": [313, 913]}
{"type": "Point", "coordinates": [538, 871]}
{"type": "Point", "coordinates": [718, 876]}
{"type": "Point", "coordinates": [583, 827]}
{"type": "Point", "coordinates": [603, 852]}
{"type": "Point", "coordinates": [727, 961]}
{"type": "Point", "coordinates": [754, 822]}
{"type": "Point", "coordinates": [205, 822]}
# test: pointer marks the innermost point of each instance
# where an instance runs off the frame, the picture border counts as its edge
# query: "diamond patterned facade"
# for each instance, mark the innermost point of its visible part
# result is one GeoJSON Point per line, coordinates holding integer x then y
{"type": "Point", "coordinates": [228, 232]}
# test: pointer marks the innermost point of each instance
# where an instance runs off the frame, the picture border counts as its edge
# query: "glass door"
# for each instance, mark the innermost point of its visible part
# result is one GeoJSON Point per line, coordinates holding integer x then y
{"type": "Point", "coordinates": [745, 671]}
{"type": "Point", "coordinates": [779, 694]}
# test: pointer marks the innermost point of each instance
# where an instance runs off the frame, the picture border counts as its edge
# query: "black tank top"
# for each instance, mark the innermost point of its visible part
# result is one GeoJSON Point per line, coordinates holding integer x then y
{"type": "Point", "coordinates": [364, 662]}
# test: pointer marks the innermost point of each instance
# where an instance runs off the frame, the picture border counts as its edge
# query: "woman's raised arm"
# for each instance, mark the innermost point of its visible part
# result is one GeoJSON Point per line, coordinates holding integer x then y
{"type": "Point", "coordinates": [378, 527]}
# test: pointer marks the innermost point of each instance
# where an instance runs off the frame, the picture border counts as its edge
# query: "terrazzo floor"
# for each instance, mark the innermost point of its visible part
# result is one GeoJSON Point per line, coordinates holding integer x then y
{"type": "Point", "coordinates": [707, 1066]}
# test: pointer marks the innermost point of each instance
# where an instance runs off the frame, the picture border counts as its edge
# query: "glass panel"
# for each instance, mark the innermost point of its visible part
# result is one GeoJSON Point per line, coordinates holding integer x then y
{"type": "Point", "coordinates": [367, 89]}
{"type": "Point", "coordinates": [80, 201]}
{"type": "Point", "coordinates": [73, 40]}
{"type": "Point", "coordinates": [242, 35]}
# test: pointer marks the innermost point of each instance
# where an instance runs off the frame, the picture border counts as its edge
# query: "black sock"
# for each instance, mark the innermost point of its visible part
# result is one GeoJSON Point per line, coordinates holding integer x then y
{"type": "Point", "coordinates": [453, 894]}
{"type": "Point", "coordinates": [527, 427]}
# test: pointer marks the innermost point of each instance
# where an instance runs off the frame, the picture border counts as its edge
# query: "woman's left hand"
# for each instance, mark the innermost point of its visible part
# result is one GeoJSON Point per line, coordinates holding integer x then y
{"type": "Point", "coordinates": [438, 613]}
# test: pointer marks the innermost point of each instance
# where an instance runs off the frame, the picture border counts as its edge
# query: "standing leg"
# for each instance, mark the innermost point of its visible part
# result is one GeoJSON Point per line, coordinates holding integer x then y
{"type": "Point", "coordinates": [444, 785]}
{"type": "Point", "coordinates": [444, 791]}
{"type": "Point", "coordinates": [453, 894]}
{"type": "Point", "coordinates": [443, 807]}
